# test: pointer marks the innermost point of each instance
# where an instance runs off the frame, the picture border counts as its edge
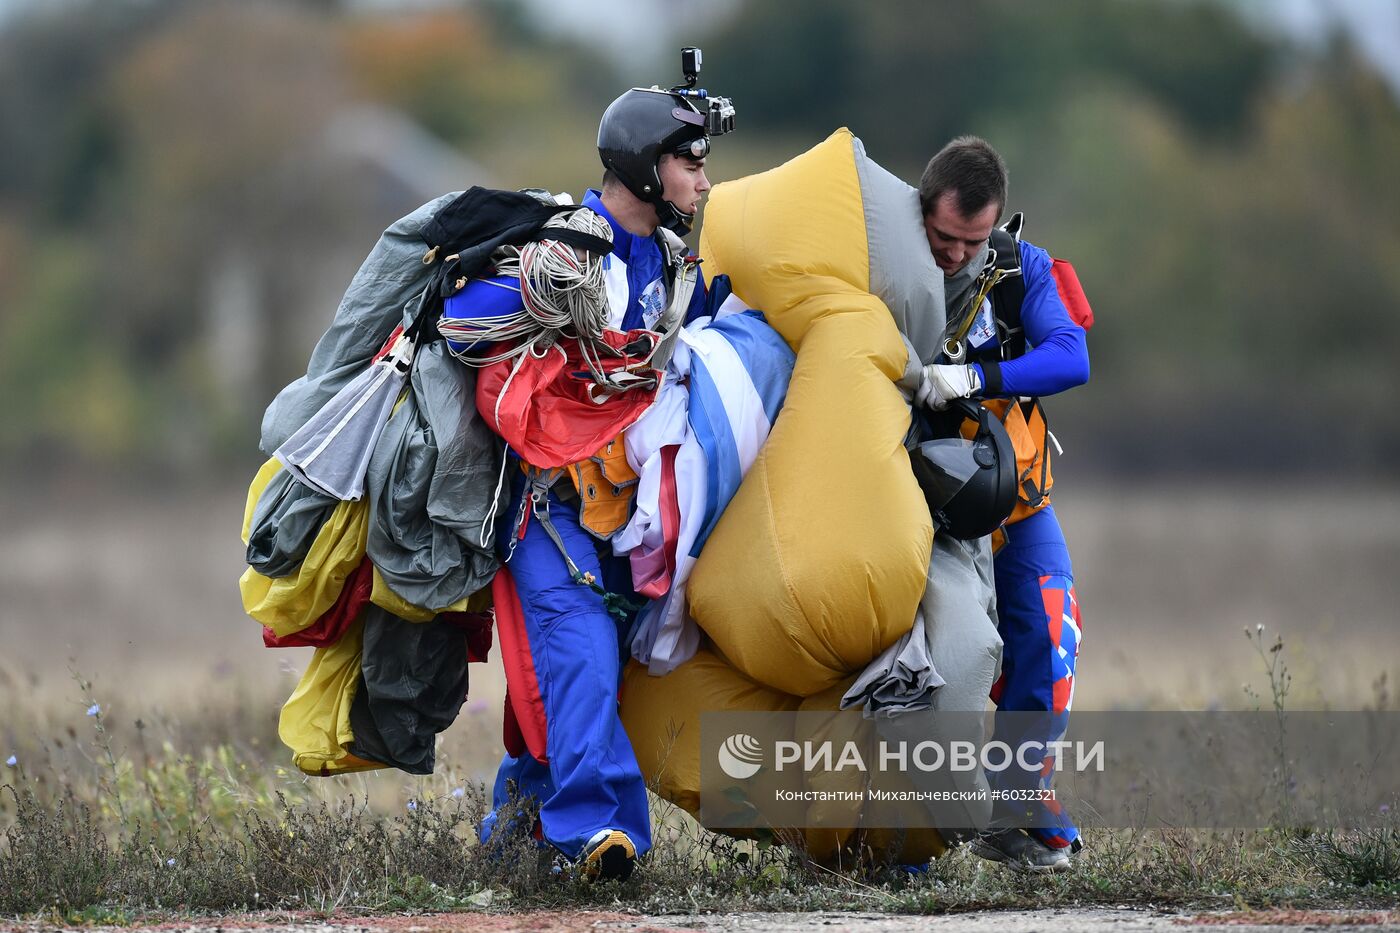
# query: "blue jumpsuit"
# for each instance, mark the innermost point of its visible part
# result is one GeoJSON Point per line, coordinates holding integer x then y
{"type": "Point", "coordinates": [591, 780]}
{"type": "Point", "coordinates": [1037, 608]}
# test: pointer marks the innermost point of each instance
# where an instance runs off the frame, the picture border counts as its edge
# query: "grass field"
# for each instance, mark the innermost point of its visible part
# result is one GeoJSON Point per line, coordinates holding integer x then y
{"type": "Point", "coordinates": [140, 710]}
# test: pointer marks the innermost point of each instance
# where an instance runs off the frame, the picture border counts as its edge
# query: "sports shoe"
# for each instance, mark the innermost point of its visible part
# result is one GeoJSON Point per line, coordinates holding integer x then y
{"type": "Point", "coordinates": [608, 856]}
{"type": "Point", "coordinates": [1019, 851]}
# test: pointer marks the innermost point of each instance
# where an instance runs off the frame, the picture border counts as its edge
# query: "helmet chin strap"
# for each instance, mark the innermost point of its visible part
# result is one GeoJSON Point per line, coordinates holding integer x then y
{"type": "Point", "coordinates": [671, 217]}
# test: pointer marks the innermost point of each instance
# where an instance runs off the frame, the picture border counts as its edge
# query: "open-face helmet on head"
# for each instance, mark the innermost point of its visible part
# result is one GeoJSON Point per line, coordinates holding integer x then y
{"type": "Point", "coordinates": [645, 124]}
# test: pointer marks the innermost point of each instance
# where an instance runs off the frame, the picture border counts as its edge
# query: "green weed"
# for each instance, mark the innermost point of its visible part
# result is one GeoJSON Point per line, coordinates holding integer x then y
{"type": "Point", "coordinates": [125, 824]}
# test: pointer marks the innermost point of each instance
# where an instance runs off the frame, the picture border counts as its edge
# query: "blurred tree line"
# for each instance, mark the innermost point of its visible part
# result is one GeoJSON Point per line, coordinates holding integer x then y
{"type": "Point", "coordinates": [1229, 202]}
{"type": "Point", "coordinates": [1227, 199]}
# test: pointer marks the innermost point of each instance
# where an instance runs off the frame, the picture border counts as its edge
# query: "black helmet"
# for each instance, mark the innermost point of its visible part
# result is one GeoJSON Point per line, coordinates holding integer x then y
{"type": "Point", "coordinates": [646, 123]}
{"type": "Point", "coordinates": [970, 485]}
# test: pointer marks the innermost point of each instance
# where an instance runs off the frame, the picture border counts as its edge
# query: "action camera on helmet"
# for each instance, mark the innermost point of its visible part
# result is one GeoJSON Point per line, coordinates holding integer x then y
{"type": "Point", "coordinates": [645, 124]}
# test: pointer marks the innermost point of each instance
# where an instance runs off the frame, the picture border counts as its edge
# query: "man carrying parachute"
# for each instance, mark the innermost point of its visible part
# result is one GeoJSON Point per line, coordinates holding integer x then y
{"type": "Point", "coordinates": [1022, 338]}
{"type": "Point", "coordinates": [564, 603]}
{"type": "Point", "coordinates": [407, 489]}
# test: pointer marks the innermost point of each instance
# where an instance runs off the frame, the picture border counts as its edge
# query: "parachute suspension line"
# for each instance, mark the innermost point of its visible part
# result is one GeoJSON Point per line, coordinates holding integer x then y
{"type": "Point", "coordinates": [480, 331]}
{"type": "Point", "coordinates": [564, 294]}
{"type": "Point", "coordinates": [488, 524]}
{"type": "Point", "coordinates": [564, 288]}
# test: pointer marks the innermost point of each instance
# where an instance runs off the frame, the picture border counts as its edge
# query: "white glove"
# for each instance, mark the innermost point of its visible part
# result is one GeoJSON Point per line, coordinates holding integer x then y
{"type": "Point", "coordinates": [941, 384]}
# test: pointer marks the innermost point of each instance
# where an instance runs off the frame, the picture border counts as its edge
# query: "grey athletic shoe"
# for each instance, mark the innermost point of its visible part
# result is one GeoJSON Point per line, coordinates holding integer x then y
{"type": "Point", "coordinates": [1019, 852]}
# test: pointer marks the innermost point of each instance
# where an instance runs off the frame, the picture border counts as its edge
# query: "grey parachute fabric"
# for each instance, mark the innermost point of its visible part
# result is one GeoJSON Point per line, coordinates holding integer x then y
{"type": "Point", "coordinates": [286, 520]}
{"type": "Point", "coordinates": [901, 680]}
{"type": "Point", "coordinates": [382, 295]}
{"type": "Point", "coordinates": [331, 452]}
{"type": "Point", "coordinates": [902, 271]}
{"type": "Point", "coordinates": [435, 488]}
{"type": "Point", "coordinates": [959, 609]}
{"type": "Point", "coordinates": [431, 509]}
{"type": "Point", "coordinates": [413, 681]}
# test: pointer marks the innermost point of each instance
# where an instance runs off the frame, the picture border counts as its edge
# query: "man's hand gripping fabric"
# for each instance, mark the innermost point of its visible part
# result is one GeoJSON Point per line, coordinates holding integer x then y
{"type": "Point", "coordinates": [941, 383]}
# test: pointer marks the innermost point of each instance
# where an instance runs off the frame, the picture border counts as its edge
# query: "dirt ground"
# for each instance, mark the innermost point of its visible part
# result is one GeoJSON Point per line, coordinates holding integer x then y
{"type": "Point", "coordinates": [1095, 920]}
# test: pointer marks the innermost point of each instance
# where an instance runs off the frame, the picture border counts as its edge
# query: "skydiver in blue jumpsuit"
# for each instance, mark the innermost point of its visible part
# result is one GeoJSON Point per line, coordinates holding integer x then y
{"type": "Point", "coordinates": [962, 194]}
{"type": "Point", "coordinates": [593, 800]}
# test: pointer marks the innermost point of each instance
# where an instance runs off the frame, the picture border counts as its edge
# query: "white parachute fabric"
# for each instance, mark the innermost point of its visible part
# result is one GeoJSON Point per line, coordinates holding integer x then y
{"type": "Point", "coordinates": [736, 372]}
{"type": "Point", "coordinates": [332, 451]}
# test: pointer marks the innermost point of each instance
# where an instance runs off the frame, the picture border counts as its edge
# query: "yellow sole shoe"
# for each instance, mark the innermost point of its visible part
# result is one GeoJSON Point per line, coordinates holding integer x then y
{"type": "Point", "coordinates": [609, 856]}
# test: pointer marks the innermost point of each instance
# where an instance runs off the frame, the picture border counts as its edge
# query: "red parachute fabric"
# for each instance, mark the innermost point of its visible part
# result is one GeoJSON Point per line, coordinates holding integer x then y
{"type": "Point", "coordinates": [653, 572]}
{"type": "Point", "coordinates": [542, 409]}
{"type": "Point", "coordinates": [476, 626]}
{"type": "Point", "coordinates": [1072, 293]}
{"type": "Point", "coordinates": [353, 598]}
{"type": "Point", "coordinates": [524, 727]}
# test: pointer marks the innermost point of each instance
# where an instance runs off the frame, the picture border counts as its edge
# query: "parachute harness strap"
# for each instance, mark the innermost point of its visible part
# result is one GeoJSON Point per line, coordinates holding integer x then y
{"type": "Point", "coordinates": [685, 274]}
{"type": "Point", "coordinates": [536, 502]}
{"type": "Point", "coordinates": [955, 347]}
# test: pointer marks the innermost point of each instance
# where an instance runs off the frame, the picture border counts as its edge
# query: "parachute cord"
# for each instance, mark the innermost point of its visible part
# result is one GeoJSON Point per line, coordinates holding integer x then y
{"type": "Point", "coordinates": [496, 412]}
{"type": "Point", "coordinates": [488, 524]}
{"type": "Point", "coordinates": [564, 293]}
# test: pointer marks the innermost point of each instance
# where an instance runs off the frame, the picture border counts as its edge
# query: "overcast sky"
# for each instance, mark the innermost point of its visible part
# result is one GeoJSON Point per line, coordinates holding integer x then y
{"type": "Point", "coordinates": [1373, 24]}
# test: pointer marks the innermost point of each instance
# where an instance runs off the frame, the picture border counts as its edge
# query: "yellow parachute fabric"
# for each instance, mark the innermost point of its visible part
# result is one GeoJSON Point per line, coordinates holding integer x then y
{"type": "Point", "coordinates": [662, 718]}
{"type": "Point", "coordinates": [820, 560]}
{"type": "Point", "coordinates": [291, 603]}
{"type": "Point", "coordinates": [838, 846]}
{"type": "Point", "coordinates": [385, 598]}
{"type": "Point", "coordinates": [315, 721]}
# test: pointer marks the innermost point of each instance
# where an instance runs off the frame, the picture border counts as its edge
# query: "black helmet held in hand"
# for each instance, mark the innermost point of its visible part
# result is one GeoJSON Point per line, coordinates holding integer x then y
{"type": "Point", "coordinates": [644, 124]}
{"type": "Point", "coordinates": [970, 485]}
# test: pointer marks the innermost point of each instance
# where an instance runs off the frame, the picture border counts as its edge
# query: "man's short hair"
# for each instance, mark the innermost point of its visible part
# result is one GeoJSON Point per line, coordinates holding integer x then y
{"type": "Point", "coordinates": [972, 169]}
{"type": "Point", "coordinates": [610, 178]}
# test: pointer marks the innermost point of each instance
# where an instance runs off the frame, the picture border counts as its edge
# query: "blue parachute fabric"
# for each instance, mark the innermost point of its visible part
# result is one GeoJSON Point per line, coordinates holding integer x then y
{"type": "Point", "coordinates": [758, 368]}
{"type": "Point", "coordinates": [486, 297]}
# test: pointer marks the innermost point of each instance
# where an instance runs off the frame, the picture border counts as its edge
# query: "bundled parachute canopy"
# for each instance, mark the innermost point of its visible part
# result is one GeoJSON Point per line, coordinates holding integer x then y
{"type": "Point", "coordinates": [386, 587]}
{"type": "Point", "coordinates": [819, 562]}
{"type": "Point", "coordinates": [291, 603]}
{"type": "Point", "coordinates": [662, 718]}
